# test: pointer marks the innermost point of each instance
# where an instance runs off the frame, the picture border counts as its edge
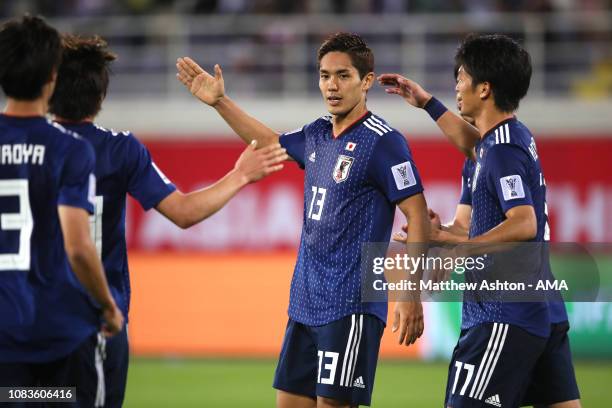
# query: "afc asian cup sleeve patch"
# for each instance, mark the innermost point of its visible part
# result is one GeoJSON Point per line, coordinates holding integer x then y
{"type": "Point", "coordinates": [403, 175]}
{"type": "Point", "coordinates": [512, 187]}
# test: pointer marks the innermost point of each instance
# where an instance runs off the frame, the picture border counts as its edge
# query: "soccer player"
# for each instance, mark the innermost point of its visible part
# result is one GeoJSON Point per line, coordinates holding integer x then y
{"type": "Point", "coordinates": [47, 190]}
{"type": "Point", "coordinates": [357, 170]}
{"type": "Point", "coordinates": [124, 166]}
{"type": "Point", "coordinates": [508, 199]}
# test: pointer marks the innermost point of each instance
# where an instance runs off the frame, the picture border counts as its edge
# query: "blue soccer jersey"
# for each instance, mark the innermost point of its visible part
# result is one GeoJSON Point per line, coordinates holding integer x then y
{"type": "Point", "coordinates": [467, 173]}
{"type": "Point", "coordinates": [123, 166]}
{"type": "Point", "coordinates": [352, 184]}
{"type": "Point", "coordinates": [508, 173]}
{"type": "Point", "coordinates": [44, 311]}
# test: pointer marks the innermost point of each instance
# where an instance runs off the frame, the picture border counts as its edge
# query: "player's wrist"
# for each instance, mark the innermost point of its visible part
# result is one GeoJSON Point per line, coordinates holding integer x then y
{"type": "Point", "coordinates": [220, 102]}
{"type": "Point", "coordinates": [435, 108]}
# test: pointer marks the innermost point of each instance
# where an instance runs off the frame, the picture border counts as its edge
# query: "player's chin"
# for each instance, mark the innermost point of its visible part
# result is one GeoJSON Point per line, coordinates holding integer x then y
{"type": "Point", "coordinates": [337, 110]}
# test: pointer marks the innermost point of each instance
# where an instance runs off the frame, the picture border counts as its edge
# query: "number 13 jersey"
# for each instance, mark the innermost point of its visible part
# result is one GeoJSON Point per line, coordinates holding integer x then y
{"type": "Point", "coordinates": [352, 184]}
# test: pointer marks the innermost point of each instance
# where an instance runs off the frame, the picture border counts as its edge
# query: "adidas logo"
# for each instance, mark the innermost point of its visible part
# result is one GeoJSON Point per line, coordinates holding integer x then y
{"type": "Point", "coordinates": [312, 157]}
{"type": "Point", "coordinates": [359, 383]}
{"type": "Point", "coordinates": [493, 400]}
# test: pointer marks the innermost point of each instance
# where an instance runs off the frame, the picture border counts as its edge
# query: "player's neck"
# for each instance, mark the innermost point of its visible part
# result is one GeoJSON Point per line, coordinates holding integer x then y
{"type": "Point", "coordinates": [489, 118]}
{"type": "Point", "coordinates": [342, 122]}
{"type": "Point", "coordinates": [14, 107]}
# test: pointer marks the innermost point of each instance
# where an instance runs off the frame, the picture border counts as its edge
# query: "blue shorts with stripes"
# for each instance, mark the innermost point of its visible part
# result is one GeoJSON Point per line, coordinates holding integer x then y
{"type": "Point", "coordinates": [336, 360]}
{"type": "Point", "coordinates": [492, 366]}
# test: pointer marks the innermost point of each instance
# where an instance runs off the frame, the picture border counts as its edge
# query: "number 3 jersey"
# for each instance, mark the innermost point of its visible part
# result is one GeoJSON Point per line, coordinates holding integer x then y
{"type": "Point", "coordinates": [44, 311]}
{"type": "Point", "coordinates": [123, 166]}
{"type": "Point", "coordinates": [351, 186]}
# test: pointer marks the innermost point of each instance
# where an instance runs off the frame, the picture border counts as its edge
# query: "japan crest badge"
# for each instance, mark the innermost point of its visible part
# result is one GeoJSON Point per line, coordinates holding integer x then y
{"type": "Point", "coordinates": [342, 168]}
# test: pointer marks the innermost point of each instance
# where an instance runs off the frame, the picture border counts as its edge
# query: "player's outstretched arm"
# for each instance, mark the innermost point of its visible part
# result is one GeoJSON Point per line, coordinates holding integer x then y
{"type": "Point", "coordinates": [454, 232]}
{"type": "Point", "coordinates": [188, 209]}
{"type": "Point", "coordinates": [463, 135]}
{"type": "Point", "coordinates": [520, 224]}
{"type": "Point", "coordinates": [84, 261]}
{"type": "Point", "coordinates": [211, 90]}
{"type": "Point", "coordinates": [408, 315]}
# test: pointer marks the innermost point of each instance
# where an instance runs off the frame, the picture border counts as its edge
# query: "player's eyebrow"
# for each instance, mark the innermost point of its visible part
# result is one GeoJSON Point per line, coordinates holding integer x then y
{"type": "Point", "coordinates": [339, 71]}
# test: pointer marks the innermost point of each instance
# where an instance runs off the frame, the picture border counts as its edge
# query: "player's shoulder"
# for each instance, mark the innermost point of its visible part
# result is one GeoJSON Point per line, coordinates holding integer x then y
{"type": "Point", "coordinates": [322, 123]}
{"type": "Point", "coordinates": [112, 134]}
{"type": "Point", "coordinates": [66, 139]}
{"type": "Point", "coordinates": [511, 132]}
{"type": "Point", "coordinates": [376, 126]}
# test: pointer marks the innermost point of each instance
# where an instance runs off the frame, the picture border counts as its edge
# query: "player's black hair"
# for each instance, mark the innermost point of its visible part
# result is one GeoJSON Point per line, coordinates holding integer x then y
{"type": "Point", "coordinates": [82, 79]}
{"type": "Point", "coordinates": [500, 61]}
{"type": "Point", "coordinates": [352, 44]}
{"type": "Point", "coordinates": [30, 52]}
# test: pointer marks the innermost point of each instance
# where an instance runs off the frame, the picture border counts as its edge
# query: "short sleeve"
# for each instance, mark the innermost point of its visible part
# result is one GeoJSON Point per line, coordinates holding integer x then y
{"type": "Point", "coordinates": [467, 174]}
{"type": "Point", "coordinates": [295, 143]}
{"type": "Point", "coordinates": [146, 183]}
{"type": "Point", "coordinates": [78, 183]}
{"type": "Point", "coordinates": [392, 169]}
{"type": "Point", "coordinates": [507, 176]}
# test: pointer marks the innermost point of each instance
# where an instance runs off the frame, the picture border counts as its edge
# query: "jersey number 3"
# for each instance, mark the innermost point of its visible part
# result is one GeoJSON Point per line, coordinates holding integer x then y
{"type": "Point", "coordinates": [21, 221]}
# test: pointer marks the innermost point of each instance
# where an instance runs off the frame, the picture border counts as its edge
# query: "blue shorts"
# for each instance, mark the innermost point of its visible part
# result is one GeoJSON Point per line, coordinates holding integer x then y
{"type": "Point", "coordinates": [336, 360]}
{"type": "Point", "coordinates": [492, 365]}
{"type": "Point", "coordinates": [103, 365]}
{"type": "Point", "coordinates": [553, 379]}
{"type": "Point", "coordinates": [68, 371]}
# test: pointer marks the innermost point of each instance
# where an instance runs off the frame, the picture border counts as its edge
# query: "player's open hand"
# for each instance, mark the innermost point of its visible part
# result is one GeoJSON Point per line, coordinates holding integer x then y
{"type": "Point", "coordinates": [408, 319]}
{"type": "Point", "coordinates": [113, 320]}
{"type": "Point", "coordinates": [254, 164]}
{"type": "Point", "coordinates": [207, 88]}
{"type": "Point", "coordinates": [412, 92]}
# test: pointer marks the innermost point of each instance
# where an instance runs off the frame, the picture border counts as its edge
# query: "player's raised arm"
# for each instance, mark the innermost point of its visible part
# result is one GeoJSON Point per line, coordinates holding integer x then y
{"type": "Point", "coordinates": [211, 90]}
{"type": "Point", "coordinates": [188, 209]}
{"type": "Point", "coordinates": [463, 135]}
{"type": "Point", "coordinates": [85, 264]}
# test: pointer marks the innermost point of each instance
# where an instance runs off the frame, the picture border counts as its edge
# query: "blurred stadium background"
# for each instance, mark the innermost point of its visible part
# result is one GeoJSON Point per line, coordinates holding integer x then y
{"type": "Point", "coordinates": [209, 303]}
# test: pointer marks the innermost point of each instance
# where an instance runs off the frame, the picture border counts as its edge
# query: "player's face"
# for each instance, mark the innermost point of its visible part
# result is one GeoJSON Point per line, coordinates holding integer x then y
{"type": "Point", "coordinates": [467, 96]}
{"type": "Point", "coordinates": [340, 85]}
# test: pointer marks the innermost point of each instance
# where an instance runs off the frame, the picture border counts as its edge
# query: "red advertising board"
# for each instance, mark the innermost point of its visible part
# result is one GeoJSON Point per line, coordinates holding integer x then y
{"type": "Point", "coordinates": [268, 215]}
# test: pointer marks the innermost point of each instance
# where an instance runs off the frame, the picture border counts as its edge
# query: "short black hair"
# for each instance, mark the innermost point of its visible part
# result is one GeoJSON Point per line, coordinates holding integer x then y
{"type": "Point", "coordinates": [30, 52]}
{"type": "Point", "coordinates": [361, 56]}
{"type": "Point", "coordinates": [499, 60]}
{"type": "Point", "coordinates": [82, 79]}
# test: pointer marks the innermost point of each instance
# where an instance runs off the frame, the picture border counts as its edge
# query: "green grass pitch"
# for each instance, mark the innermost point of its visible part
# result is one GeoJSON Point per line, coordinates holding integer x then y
{"type": "Point", "coordinates": [247, 383]}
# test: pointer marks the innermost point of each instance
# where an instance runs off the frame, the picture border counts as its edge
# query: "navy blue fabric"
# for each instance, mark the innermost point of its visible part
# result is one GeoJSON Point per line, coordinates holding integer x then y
{"type": "Point", "coordinates": [553, 379]}
{"type": "Point", "coordinates": [467, 173]}
{"type": "Point", "coordinates": [508, 173]}
{"type": "Point", "coordinates": [67, 371]}
{"type": "Point", "coordinates": [351, 186]}
{"type": "Point", "coordinates": [45, 311]}
{"type": "Point", "coordinates": [336, 360]}
{"type": "Point", "coordinates": [492, 364]}
{"type": "Point", "coordinates": [123, 166]}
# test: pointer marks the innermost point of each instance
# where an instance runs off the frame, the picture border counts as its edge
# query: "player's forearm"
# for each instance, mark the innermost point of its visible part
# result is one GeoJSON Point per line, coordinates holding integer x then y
{"type": "Point", "coordinates": [459, 132]}
{"type": "Point", "coordinates": [511, 230]}
{"type": "Point", "coordinates": [417, 239]}
{"type": "Point", "coordinates": [88, 270]}
{"type": "Point", "coordinates": [452, 234]}
{"type": "Point", "coordinates": [186, 210]}
{"type": "Point", "coordinates": [245, 126]}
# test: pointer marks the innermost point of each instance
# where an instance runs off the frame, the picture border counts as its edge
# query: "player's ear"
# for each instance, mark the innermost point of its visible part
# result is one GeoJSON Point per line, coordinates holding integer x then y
{"type": "Point", "coordinates": [367, 81]}
{"type": "Point", "coordinates": [484, 89]}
